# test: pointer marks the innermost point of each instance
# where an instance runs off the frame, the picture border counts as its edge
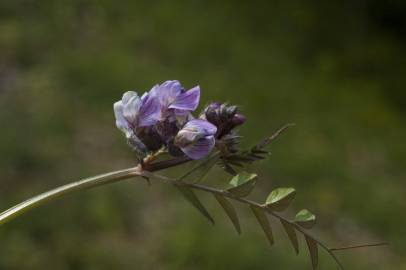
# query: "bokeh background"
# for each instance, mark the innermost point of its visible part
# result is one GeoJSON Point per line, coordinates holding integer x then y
{"type": "Point", "coordinates": [335, 68]}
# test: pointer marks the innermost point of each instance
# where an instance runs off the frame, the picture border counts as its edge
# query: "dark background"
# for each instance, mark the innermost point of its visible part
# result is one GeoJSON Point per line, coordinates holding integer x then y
{"type": "Point", "coordinates": [335, 68]}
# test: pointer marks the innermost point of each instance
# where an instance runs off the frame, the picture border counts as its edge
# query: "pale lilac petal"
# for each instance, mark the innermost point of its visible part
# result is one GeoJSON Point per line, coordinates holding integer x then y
{"type": "Point", "coordinates": [193, 131]}
{"type": "Point", "coordinates": [186, 137]}
{"type": "Point", "coordinates": [188, 100]}
{"type": "Point", "coordinates": [168, 91]}
{"type": "Point", "coordinates": [183, 117]}
{"type": "Point", "coordinates": [200, 148]}
{"type": "Point", "coordinates": [150, 111]}
{"type": "Point", "coordinates": [131, 106]}
{"type": "Point", "coordinates": [154, 90]}
{"type": "Point", "coordinates": [181, 112]}
{"type": "Point", "coordinates": [200, 126]}
{"type": "Point", "coordinates": [121, 122]}
{"type": "Point", "coordinates": [128, 95]}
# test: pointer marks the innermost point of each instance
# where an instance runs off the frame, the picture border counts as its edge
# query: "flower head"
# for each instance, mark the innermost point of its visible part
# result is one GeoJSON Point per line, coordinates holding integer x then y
{"type": "Point", "coordinates": [196, 138]}
{"type": "Point", "coordinates": [134, 113]}
{"type": "Point", "coordinates": [174, 100]}
{"type": "Point", "coordinates": [163, 117]}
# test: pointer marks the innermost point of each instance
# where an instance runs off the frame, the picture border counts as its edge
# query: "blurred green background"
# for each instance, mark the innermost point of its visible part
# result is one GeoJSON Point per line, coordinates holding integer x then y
{"type": "Point", "coordinates": [335, 68]}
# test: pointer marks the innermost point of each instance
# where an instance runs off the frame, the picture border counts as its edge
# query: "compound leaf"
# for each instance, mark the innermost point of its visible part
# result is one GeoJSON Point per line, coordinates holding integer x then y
{"type": "Point", "coordinates": [191, 197]}
{"type": "Point", "coordinates": [264, 222]}
{"type": "Point", "coordinates": [313, 250]}
{"type": "Point", "coordinates": [230, 211]}
{"type": "Point", "coordinates": [290, 230]}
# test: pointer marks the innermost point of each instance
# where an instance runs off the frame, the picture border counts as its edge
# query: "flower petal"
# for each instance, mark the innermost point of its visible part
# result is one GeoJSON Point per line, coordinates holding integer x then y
{"type": "Point", "coordinates": [200, 148]}
{"type": "Point", "coordinates": [167, 92]}
{"type": "Point", "coordinates": [131, 106]}
{"type": "Point", "coordinates": [188, 100]}
{"type": "Point", "coordinates": [150, 111]}
{"type": "Point", "coordinates": [200, 126]}
{"type": "Point", "coordinates": [121, 122]}
{"type": "Point", "coordinates": [128, 95]}
{"type": "Point", "coordinates": [186, 137]}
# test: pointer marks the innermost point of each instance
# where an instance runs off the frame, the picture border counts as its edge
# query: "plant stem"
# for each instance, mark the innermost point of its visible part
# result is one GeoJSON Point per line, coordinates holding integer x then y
{"type": "Point", "coordinates": [83, 184]}
{"type": "Point", "coordinates": [165, 164]}
{"type": "Point", "coordinates": [86, 183]}
{"type": "Point", "coordinates": [359, 246]}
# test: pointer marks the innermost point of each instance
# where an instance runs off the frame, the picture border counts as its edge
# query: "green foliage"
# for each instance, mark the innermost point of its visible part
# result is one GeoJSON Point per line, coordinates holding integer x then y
{"type": "Point", "coordinates": [230, 211]}
{"type": "Point", "coordinates": [200, 170]}
{"type": "Point", "coordinates": [191, 197]}
{"type": "Point", "coordinates": [280, 198]}
{"type": "Point", "coordinates": [305, 219]}
{"type": "Point", "coordinates": [264, 222]}
{"type": "Point", "coordinates": [242, 184]}
{"type": "Point", "coordinates": [313, 250]}
{"type": "Point", "coordinates": [290, 230]}
{"type": "Point", "coordinates": [229, 162]}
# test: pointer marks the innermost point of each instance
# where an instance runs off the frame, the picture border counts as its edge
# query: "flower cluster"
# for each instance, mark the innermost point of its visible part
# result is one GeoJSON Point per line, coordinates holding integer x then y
{"type": "Point", "coordinates": [162, 118]}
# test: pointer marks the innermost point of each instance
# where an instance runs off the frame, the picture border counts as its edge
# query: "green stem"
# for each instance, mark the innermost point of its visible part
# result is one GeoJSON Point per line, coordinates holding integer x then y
{"type": "Point", "coordinates": [83, 184]}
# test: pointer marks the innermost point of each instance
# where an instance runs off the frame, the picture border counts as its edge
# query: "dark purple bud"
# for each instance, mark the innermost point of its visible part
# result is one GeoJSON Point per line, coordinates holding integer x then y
{"type": "Point", "coordinates": [228, 112]}
{"type": "Point", "coordinates": [238, 119]}
{"type": "Point", "coordinates": [211, 113]}
{"type": "Point", "coordinates": [214, 105]}
{"type": "Point", "coordinates": [224, 117]}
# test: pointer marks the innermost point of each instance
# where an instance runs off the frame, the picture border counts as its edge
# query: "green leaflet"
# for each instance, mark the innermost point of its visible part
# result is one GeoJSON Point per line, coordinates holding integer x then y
{"type": "Point", "coordinates": [230, 211]}
{"type": "Point", "coordinates": [264, 222]}
{"type": "Point", "coordinates": [305, 219]}
{"type": "Point", "coordinates": [290, 230]}
{"type": "Point", "coordinates": [280, 198]}
{"type": "Point", "coordinates": [313, 250]}
{"type": "Point", "coordinates": [242, 184]}
{"type": "Point", "coordinates": [194, 200]}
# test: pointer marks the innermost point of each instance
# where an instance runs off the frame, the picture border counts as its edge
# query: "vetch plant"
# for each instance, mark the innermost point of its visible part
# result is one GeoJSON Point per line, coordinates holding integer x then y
{"type": "Point", "coordinates": [161, 129]}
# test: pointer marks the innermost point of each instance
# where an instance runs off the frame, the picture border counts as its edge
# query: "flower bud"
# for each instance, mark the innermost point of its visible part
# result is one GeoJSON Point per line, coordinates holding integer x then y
{"type": "Point", "coordinates": [238, 119]}
{"type": "Point", "coordinates": [224, 117]}
{"type": "Point", "coordinates": [196, 138]}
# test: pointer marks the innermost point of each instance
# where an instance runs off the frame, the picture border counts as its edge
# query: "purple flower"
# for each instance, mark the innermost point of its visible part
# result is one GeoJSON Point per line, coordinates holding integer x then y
{"type": "Point", "coordinates": [134, 113]}
{"type": "Point", "coordinates": [196, 138]}
{"type": "Point", "coordinates": [174, 100]}
{"type": "Point", "coordinates": [162, 117]}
